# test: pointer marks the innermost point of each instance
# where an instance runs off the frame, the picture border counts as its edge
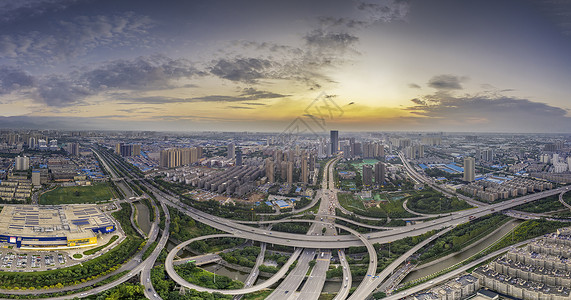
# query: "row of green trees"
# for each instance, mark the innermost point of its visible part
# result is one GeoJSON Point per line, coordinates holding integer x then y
{"type": "Point", "coordinates": [463, 235]}
{"type": "Point", "coordinates": [430, 201]}
{"type": "Point", "coordinates": [244, 257]}
{"type": "Point", "coordinates": [300, 228]}
{"type": "Point", "coordinates": [198, 276]}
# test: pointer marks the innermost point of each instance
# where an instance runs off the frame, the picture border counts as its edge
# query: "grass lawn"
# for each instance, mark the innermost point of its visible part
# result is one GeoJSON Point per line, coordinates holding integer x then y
{"type": "Point", "coordinates": [259, 295]}
{"type": "Point", "coordinates": [350, 202]}
{"type": "Point", "coordinates": [77, 194]}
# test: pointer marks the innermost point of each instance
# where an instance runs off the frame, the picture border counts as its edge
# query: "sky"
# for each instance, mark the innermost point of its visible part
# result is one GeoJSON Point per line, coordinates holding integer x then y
{"type": "Point", "coordinates": [297, 65]}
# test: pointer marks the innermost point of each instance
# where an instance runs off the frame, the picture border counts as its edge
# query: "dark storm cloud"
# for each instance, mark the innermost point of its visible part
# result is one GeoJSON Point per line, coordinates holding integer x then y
{"type": "Point", "coordinates": [66, 39]}
{"type": "Point", "coordinates": [60, 91]}
{"type": "Point", "coordinates": [446, 82]}
{"type": "Point", "coordinates": [14, 79]}
{"type": "Point", "coordinates": [243, 69]}
{"type": "Point", "coordinates": [414, 86]}
{"type": "Point", "coordinates": [141, 73]}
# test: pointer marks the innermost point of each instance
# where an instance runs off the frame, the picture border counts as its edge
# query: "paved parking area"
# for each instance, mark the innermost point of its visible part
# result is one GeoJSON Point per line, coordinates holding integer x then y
{"type": "Point", "coordinates": [17, 261]}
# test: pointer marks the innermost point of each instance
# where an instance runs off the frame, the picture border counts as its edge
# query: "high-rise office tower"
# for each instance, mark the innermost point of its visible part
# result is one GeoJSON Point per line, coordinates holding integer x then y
{"type": "Point", "coordinates": [380, 173]}
{"type": "Point", "coordinates": [469, 169]}
{"type": "Point", "coordinates": [334, 141]}
{"type": "Point", "coordinates": [367, 175]}
{"type": "Point", "coordinates": [231, 151]}
{"type": "Point", "coordinates": [238, 157]}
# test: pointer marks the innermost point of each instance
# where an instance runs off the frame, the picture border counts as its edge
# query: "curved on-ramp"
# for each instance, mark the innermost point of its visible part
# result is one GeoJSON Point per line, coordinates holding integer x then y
{"type": "Point", "coordinates": [178, 279]}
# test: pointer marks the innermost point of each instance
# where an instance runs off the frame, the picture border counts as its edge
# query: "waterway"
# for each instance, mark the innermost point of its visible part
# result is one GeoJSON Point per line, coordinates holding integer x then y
{"type": "Point", "coordinates": [143, 217]}
{"type": "Point", "coordinates": [471, 250]}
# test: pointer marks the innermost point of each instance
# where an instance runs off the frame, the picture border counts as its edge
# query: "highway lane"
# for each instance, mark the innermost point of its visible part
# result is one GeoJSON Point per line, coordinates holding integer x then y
{"type": "Point", "coordinates": [347, 279]}
{"type": "Point", "coordinates": [298, 240]}
{"type": "Point", "coordinates": [314, 284]}
{"type": "Point", "coordinates": [322, 215]}
{"type": "Point", "coordinates": [287, 289]}
{"type": "Point", "coordinates": [375, 236]}
{"type": "Point", "coordinates": [289, 285]}
{"type": "Point", "coordinates": [170, 257]}
{"type": "Point", "coordinates": [199, 260]}
{"type": "Point", "coordinates": [563, 201]}
{"type": "Point", "coordinates": [368, 286]}
{"type": "Point", "coordinates": [255, 270]}
{"type": "Point", "coordinates": [316, 280]}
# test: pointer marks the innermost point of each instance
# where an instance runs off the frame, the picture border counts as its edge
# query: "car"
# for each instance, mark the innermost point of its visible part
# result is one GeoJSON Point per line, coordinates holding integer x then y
{"type": "Point", "coordinates": [286, 292]}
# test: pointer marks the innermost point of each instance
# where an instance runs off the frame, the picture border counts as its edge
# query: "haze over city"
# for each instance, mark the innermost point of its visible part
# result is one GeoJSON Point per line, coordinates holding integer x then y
{"type": "Point", "coordinates": [285, 150]}
{"type": "Point", "coordinates": [493, 66]}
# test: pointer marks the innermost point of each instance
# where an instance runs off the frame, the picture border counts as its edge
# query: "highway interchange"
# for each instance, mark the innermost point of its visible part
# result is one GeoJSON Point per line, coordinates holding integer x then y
{"type": "Point", "coordinates": [309, 247]}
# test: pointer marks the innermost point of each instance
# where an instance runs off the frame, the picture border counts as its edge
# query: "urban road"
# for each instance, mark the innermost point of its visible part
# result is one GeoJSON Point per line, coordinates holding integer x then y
{"type": "Point", "coordinates": [309, 243]}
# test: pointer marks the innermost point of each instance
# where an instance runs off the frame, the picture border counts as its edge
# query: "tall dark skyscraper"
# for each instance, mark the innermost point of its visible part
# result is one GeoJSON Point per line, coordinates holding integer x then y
{"type": "Point", "coordinates": [238, 157]}
{"type": "Point", "coordinates": [367, 175]}
{"type": "Point", "coordinates": [334, 142]}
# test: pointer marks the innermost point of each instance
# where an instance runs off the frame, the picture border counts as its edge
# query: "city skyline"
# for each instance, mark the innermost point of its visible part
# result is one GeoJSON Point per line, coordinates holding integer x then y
{"type": "Point", "coordinates": [492, 66]}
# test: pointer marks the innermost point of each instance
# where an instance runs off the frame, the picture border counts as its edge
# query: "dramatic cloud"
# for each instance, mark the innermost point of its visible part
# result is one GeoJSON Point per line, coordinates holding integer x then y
{"type": "Point", "coordinates": [11, 10]}
{"type": "Point", "coordinates": [414, 86]}
{"type": "Point", "coordinates": [13, 79]}
{"type": "Point", "coordinates": [327, 41]}
{"type": "Point", "coordinates": [59, 91]}
{"type": "Point", "coordinates": [384, 10]}
{"type": "Point", "coordinates": [446, 82]}
{"type": "Point", "coordinates": [242, 69]}
{"type": "Point", "coordinates": [65, 40]}
{"type": "Point", "coordinates": [248, 94]}
{"type": "Point", "coordinates": [480, 113]}
{"type": "Point", "coordinates": [153, 72]}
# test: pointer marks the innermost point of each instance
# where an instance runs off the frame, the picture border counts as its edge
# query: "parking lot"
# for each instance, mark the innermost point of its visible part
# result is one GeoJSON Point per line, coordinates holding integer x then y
{"type": "Point", "coordinates": [11, 260]}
